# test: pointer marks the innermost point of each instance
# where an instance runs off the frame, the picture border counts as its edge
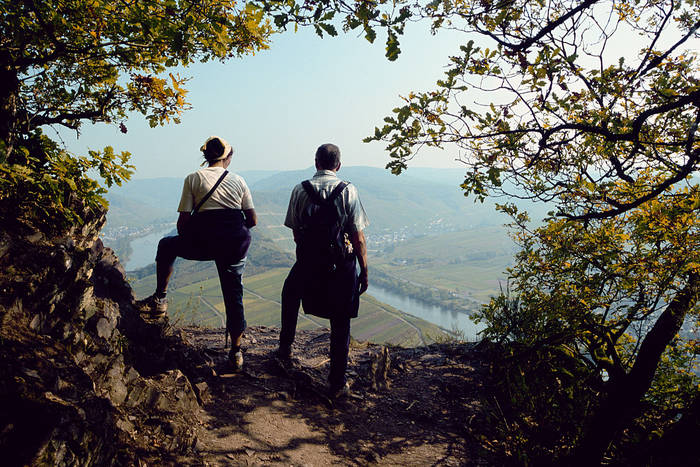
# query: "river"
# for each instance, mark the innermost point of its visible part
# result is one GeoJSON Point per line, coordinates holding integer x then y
{"type": "Point", "coordinates": [144, 249]}
{"type": "Point", "coordinates": [144, 252]}
{"type": "Point", "coordinates": [447, 319]}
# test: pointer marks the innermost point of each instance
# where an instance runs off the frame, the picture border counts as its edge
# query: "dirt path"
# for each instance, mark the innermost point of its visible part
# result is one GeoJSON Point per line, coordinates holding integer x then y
{"type": "Point", "coordinates": [266, 415]}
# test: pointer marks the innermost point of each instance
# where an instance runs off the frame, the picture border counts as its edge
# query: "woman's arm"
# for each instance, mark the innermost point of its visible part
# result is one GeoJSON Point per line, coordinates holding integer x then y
{"type": "Point", "coordinates": [251, 219]}
{"type": "Point", "coordinates": [182, 220]}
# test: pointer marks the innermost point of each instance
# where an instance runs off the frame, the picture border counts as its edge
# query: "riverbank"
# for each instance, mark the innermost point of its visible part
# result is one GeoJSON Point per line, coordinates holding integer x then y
{"type": "Point", "coordinates": [454, 322]}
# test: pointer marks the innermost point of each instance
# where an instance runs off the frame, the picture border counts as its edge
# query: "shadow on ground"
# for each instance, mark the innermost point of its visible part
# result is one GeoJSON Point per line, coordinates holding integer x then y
{"type": "Point", "coordinates": [418, 406]}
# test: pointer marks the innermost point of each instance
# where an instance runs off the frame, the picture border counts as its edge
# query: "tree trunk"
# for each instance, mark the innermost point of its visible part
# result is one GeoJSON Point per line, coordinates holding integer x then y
{"type": "Point", "coordinates": [9, 88]}
{"type": "Point", "coordinates": [676, 447]}
{"type": "Point", "coordinates": [624, 396]}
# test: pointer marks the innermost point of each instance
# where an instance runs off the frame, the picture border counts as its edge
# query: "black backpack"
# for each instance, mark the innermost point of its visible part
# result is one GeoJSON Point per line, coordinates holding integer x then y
{"type": "Point", "coordinates": [323, 243]}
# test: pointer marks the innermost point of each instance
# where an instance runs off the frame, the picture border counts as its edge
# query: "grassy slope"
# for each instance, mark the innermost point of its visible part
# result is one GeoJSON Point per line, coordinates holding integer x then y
{"type": "Point", "coordinates": [471, 261]}
{"type": "Point", "coordinates": [377, 322]}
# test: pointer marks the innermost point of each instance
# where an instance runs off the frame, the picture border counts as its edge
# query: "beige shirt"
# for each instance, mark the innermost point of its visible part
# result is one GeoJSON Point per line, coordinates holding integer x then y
{"type": "Point", "coordinates": [232, 193]}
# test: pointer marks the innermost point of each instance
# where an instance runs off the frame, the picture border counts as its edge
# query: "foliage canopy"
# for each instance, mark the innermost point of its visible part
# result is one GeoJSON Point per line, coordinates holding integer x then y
{"type": "Point", "coordinates": [593, 107]}
{"type": "Point", "coordinates": [68, 62]}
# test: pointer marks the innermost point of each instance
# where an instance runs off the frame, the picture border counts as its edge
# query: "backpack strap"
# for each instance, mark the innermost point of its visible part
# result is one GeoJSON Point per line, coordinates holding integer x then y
{"type": "Point", "coordinates": [313, 194]}
{"type": "Point", "coordinates": [206, 197]}
{"type": "Point", "coordinates": [337, 190]}
{"type": "Point", "coordinates": [316, 198]}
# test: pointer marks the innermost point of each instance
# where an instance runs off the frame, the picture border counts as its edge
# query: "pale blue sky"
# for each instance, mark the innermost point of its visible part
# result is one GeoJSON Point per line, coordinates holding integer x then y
{"type": "Point", "coordinates": [276, 107]}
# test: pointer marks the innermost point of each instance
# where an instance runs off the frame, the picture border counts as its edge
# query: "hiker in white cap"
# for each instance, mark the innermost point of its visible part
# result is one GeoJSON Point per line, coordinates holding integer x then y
{"type": "Point", "coordinates": [216, 212]}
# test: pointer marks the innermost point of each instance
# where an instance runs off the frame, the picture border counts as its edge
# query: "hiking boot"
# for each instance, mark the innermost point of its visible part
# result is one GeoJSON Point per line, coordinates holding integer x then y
{"type": "Point", "coordinates": [236, 359]}
{"type": "Point", "coordinates": [283, 357]}
{"type": "Point", "coordinates": [152, 306]}
{"type": "Point", "coordinates": [342, 392]}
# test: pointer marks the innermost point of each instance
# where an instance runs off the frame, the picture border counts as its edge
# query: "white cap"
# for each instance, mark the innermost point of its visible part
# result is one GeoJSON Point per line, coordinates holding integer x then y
{"type": "Point", "coordinates": [227, 147]}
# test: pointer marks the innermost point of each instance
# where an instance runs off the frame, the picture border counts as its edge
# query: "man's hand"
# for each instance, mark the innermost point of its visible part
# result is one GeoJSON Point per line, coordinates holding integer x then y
{"type": "Point", "coordinates": [363, 280]}
{"type": "Point", "coordinates": [359, 246]}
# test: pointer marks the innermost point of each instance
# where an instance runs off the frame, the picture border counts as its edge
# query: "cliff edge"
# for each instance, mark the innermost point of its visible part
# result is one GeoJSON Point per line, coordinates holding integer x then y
{"type": "Point", "coordinates": [85, 381]}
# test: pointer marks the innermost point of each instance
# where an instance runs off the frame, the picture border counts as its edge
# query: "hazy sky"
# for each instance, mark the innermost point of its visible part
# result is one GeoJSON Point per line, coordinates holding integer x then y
{"type": "Point", "coordinates": [276, 107]}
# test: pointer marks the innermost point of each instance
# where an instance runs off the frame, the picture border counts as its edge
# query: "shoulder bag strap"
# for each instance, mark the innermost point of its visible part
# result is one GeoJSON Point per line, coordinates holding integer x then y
{"type": "Point", "coordinates": [206, 197]}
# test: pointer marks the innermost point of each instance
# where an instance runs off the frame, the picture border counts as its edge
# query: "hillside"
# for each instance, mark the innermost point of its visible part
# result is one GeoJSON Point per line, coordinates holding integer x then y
{"type": "Point", "coordinates": [84, 380]}
{"type": "Point", "coordinates": [471, 263]}
{"type": "Point", "coordinates": [195, 298]}
{"type": "Point", "coordinates": [417, 219]}
{"type": "Point", "coordinates": [428, 202]}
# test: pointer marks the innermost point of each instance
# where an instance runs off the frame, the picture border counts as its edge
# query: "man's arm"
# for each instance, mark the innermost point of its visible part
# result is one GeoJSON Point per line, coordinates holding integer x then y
{"type": "Point", "coordinates": [359, 246]}
{"type": "Point", "coordinates": [251, 219]}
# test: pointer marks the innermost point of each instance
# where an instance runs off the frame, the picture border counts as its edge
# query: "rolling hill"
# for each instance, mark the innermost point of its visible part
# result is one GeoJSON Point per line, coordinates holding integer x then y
{"type": "Point", "coordinates": [425, 239]}
{"type": "Point", "coordinates": [422, 199]}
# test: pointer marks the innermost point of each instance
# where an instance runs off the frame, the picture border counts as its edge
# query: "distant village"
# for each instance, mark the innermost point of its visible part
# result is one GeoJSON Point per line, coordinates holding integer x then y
{"type": "Point", "coordinates": [386, 238]}
{"type": "Point", "coordinates": [112, 234]}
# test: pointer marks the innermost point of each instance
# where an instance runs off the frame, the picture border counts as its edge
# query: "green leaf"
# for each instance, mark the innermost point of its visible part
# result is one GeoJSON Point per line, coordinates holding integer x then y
{"type": "Point", "coordinates": [370, 34]}
{"type": "Point", "coordinates": [392, 47]}
{"type": "Point", "coordinates": [330, 29]}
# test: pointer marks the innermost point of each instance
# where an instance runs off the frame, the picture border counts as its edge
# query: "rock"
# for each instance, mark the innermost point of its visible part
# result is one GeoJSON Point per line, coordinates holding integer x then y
{"type": "Point", "coordinates": [116, 388]}
{"type": "Point", "coordinates": [125, 426]}
{"type": "Point", "coordinates": [118, 393]}
{"type": "Point", "coordinates": [36, 322]}
{"type": "Point", "coordinates": [141, 393]}
{"type": "Point", "coordinates": [169, 392]}
{"type": "Point", "coordinates": [31, 373]}
{"type": "Point", "coordinates": [433, 358]}
{"type": "Point", "coordinates": [131, 375]}
{"type": "Point", "coordinates": [104, 328]}
{"type": "Point", "coordinates": [201, 389]}
{"type": "Point", "coordinates": [80, 372]}
{"type": "Point", "coordinates": [34, 237]}
{"type": "Point", "coordinates": [379, 369]}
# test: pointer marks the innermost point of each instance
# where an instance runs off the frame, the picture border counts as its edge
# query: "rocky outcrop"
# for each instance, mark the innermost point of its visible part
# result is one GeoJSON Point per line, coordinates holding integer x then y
{"type": "Point", "coordinates": [83, 379]}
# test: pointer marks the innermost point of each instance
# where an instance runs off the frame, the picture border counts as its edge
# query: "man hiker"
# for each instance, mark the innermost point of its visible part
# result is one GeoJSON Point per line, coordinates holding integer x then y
{"type": "Point", "coordinates": [327, 219]}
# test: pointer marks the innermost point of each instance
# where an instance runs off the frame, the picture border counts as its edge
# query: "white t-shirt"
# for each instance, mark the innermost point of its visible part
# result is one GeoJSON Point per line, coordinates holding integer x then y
{"type": "Point", "coordinates": [233, 192]}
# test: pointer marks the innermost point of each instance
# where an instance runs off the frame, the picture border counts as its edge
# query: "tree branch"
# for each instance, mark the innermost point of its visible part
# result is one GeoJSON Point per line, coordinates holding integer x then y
{"type": "Point", "coordinates": [524, 45]}
{"type": "Point", "coordinates": [686, 170]}
{"type": "Point", "coordinates": [657, 60]}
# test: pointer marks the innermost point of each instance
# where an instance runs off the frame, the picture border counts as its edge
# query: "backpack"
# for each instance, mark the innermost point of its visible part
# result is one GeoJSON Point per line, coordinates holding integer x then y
{"type": "Point", "coordinates": [324, 245]}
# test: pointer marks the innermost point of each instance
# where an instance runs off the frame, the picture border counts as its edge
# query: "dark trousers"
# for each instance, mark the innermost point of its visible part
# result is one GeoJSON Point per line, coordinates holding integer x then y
{"type": "Point", "coordinates": [340, 327]}
{"type": "Point", "coordinates": [169, 248]}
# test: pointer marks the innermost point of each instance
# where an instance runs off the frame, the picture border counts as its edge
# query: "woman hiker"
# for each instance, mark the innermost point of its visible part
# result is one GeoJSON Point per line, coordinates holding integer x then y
{"type": "Point", "coordinates": [216, 211]}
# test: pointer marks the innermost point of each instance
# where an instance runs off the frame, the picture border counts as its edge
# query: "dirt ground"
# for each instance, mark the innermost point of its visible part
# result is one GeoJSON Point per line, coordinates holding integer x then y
{"type": "Point", "coordinates": [416, 406]}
